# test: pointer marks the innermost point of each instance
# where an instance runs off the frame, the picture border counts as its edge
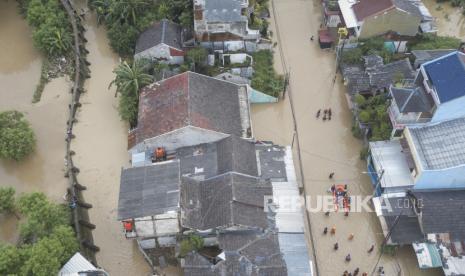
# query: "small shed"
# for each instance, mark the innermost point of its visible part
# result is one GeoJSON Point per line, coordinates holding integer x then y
{"type": "Point", "coordinates": [325, 39]}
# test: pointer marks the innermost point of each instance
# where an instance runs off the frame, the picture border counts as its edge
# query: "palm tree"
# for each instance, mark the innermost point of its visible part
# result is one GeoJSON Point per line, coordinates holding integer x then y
{"type": "Point", "coordinates": [130, 78]}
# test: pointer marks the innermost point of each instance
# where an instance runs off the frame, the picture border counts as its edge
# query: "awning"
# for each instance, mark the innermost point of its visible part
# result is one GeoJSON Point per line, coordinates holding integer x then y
{"type": "Point", "coordinates": [427, 255]}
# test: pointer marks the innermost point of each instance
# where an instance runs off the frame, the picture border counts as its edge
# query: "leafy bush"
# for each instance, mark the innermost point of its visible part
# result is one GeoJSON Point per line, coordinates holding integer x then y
{"type": "Point", "coordinates": [16, 136]}
{"type": "Point", "coordinates": [352, 56]}
{"type": "Point", "coordinates": [189, 244]}
{"type": "Point", "coordinates": [7, 200]}
{"type": "Point", "coordinates": [123, 38]}
{"type": "Point", "coordinates": [373, 111]}
{"type": "Point", "coordinates": [432, 41]}
{"type": "Point", "coordinates": [265, 78]}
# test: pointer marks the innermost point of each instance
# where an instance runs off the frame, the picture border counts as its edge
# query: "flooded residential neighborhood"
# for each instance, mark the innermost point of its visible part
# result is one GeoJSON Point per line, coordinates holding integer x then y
{"type": "Point", "coordinates": [193, 123]}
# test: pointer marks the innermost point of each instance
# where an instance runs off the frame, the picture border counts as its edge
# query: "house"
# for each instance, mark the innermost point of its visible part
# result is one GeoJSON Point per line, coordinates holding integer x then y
{"type": "Point", "coordinates": [223, 25]}
{"type": "Point", "coordinates": [430, 156]}
{"type": "Point", "coordinates": [78, 265]}
{"type": "Point", "coordinates": [190, 109]}
{"type": "Point", "coordinates": [422, 56]}
{"type": "Point", "coordinates": [162, 42]}
{"type": "Point", "coordinates": [431, 221]}
{"type": "Point", "coordinates": [436, 94]}
{"type": "Point", "coordinates": [374, 77]}
{"type": "Point", "coordinates": [368, 18]}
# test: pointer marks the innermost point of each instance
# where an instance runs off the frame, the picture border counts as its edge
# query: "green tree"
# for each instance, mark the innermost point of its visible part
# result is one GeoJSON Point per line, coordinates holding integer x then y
{"type": "Point", "coordinates": [197, 56]}
{"type": "Point", "coordinates": [42, 216]}
{"type": "Point", "coordinates": [16, 136]}
{"type": "Point", "coordinates": [190, 243]}
{"type": "Point", "coordinates": [122, 38]}
{"type": "Point", "coordinates": [129, 80]}
{"type": "Point", "coordinates": [53, 40]}
{"type": "Point", "coordinates": [7, 200]}
{"type": "Point", "coordinates": [10, 260]}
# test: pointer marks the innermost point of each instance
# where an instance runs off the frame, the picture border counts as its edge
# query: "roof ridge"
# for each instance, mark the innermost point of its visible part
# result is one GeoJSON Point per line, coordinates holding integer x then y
{"type": "Point", "coordinates": [188, 98]}
{"type": "Point", "coordinates": [163, 29]}
{"type": "Point", "coordinates": [407, 101]}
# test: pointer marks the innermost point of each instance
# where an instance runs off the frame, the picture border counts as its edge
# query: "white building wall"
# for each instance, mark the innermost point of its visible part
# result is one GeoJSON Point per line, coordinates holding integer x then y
{"type": "Point", "coordinates": [160, 52]}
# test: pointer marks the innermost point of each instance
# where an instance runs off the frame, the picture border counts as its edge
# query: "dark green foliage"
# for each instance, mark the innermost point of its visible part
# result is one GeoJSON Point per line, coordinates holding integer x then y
{"type": "Point", "coordinates": [51, 27]}
{"type": "Point", "coordinates": [126, 19]}
{"type": "Point", "coordinates": [370, 46]}
{"type": "Point", "coordinates": [373, 111]}
{"type": "Point", "coordinates": [432, 41]}
{"type": "Point", "coordinates": [197, 57]}
{"type": "Point", "coordinates": [189, 244]}
{"type": "Point", "coordinates": [42, 216]}
{"type": "Point", "coordinates": [265, 78]}
{"type": "Point", "coordinates": [50, 243]}
{"type": "Point", "coordinates": [352, 56]}
{"type": "Point", "coordinates": [7, 200]}
{"type": "Point", "coordinates": [16, 136]}
{"type": "Point", "coordinates": [129, 80]}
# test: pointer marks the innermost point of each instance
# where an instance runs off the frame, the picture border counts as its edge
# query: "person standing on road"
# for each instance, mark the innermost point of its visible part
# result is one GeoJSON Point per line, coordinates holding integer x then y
{"type": "Point", "coordinates": [356, 271]}
{"type": "Point", "coordinates": [333, 230]}
{"type": "Point", "coordinates": [318, 113]}
{"type": "Point", "coordinates": [325, 231]}
{"type": "Point", "coordinates": [331, 175]}
{"type": "Point", "coordinates": [351, 236]}
{"type": "Point", "coordinates": [371, 248]}
{"type": "Point", "coordinates": [348, 258]}
{"type": "Point", "coordinates": [336, 246]}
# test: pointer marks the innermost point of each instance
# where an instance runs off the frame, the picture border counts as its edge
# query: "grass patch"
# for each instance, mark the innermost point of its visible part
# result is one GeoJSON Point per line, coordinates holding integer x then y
{"type": "Point", "coordinates": [265, 78]}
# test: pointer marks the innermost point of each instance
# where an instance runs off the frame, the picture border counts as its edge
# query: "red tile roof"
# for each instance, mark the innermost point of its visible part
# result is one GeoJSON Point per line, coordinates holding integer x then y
{"type": "Point", "coordinates": [366, 8]}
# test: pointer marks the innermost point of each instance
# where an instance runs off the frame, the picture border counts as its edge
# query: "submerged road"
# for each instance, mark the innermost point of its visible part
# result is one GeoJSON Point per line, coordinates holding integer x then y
{"type": "Point", "coordinates": [325, 146]}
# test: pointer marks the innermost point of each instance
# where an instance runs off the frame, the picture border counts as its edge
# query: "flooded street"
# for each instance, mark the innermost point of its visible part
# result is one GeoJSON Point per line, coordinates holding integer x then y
{"type": "Point", "coordinates": [100, 145]}
{"type": "Point", "coordinates": [325, 146]}
{"type": "Point", "coordinates": [19, 74]}
{"type": "Point", "coordinates": [450, 20]}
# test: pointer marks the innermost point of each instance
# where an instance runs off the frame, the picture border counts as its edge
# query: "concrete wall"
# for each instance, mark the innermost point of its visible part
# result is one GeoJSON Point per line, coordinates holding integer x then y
{"type": "Point", "coordinates": [440, 179]}
{"type": "Point", "coordinates": [186, 136]}
{"type": "Point", "coordinates": [450, 110]}
{"type": "Point", "coordinates": [392, 20]}
{"type": "Point", "coordinates": [160, 52]}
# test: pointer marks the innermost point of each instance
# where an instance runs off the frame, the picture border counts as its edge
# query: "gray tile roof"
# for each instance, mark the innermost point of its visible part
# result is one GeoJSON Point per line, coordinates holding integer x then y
{"type": "Point", "coordinates": [223, 201]}
{"type": "Point", "coordinates": [422, 56]}
{"type": "Point", "coordinates": [196, 100]}
{"type": "Point", "coordinates": [440, 145]}
{"type": "Point", "coordinates": [163, 31]}
{"type": "Point", "coordinates": [149, 190]}
{"type": "Point", "coordinates": [251, 254]}
{"type": "Point", "coordinates": [223, 11]}
{"type": "Point", "coordinates": [408, 6]}
{"type": "Point", "coordinates": [271, 162]}
{"type": "Point", "coordinates": [443, 212]}
{"type": "Point", "coordinates": [406, 230]}
{"type": "Point", "coordinates": [226, 155]}
{"type": "Point", "coordinates": [375, 75]}
{"type": "Point", "coordinates": [411, 99]}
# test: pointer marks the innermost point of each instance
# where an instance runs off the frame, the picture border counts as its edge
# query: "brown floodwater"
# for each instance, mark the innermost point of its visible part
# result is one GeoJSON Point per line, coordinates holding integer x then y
{"type": "Point", "coordinates": [19, 74]}
{"type": "Point", "coordinates": [325, 146]}
{"type": "Point", "coordinates": [450, 20]}
{"type": "Point", "coordinates": [101, 151]}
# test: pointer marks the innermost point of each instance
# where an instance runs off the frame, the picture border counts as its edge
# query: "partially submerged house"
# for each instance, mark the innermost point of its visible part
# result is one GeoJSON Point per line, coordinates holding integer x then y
{"type": "Point", "coordinates": [368, 18]}
{"type": "Point", "coordinates": [373, 77]}
{"type": "Point", "coordinates": [224, 25]}
{"type": "Point", "coordinates": [437, 93]}
{"type": "Point", "coordinates": [190, 109]}
{"type": "Point", "coordinates": [430, 156]}
{"type": "Point", "coordinates": [430, 220]}
{"type": "Point", "coordinates": [161, 42]}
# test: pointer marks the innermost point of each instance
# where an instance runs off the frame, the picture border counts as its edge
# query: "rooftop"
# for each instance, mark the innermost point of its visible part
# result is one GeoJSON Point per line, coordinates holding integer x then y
{"type": "Point", "coordinates": [389, 156]}
{"type": "Point", "coordinates": [233, 78]}
{"type": "Point", "coordinates": [422, 56]}
{"type": "Point", "coordinates": [207, 160]}
{"type": "Point", "coordinates": [440, 145]}
{"type": "Point", "coordinates": [224, 11]}
{"type": "Point", "coordinates": [443, 212]}
{"type": "Point", "coordinates": [367, 8]}
{"type": "Point", "coordinates": [348, 13]}
{"type": "Point", "coordinates": [226, 200]}
{"type": "Point", "coordinates": [374, 75]}
{"type": "Point", "coordinates": [447, 74]}
{"type": "Point", "coordinates": [245, 253]}
{"type": "Point", "coordinates": [149, 190]}
{"type": "Point", "coordinates": [196, 100]}
{"type": "Point", "coordinates": [410, 99]}
{"type": "Point", "coordinates": [163, 31]}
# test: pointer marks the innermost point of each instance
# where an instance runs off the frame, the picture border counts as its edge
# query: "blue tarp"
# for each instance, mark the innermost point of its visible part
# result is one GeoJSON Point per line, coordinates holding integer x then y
{"type": "Point", "coordinates": [260, 97]}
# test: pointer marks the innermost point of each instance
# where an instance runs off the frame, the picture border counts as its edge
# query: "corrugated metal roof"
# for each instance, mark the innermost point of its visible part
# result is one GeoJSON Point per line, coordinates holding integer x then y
{"type": "Point", "coordinates": [347, 12]}
{"type": "Point", "coordinates": [295, 254]}
{"type": "Point", "coordinates": [76, 264]}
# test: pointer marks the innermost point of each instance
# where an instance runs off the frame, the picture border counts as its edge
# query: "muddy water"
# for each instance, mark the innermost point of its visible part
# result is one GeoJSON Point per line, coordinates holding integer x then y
{"type": "Point", "coordinates": [100, 145]}
{"type": "Point", "coordinates": [326, 146]}
{"type": "Point", "coordinates": [450, 20]}
{"type": "Point", "coordinates": [19, 74]}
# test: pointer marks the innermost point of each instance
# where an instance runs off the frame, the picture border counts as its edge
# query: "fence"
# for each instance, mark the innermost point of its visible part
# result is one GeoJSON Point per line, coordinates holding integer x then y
{"type": "Point", "coordinates": [80, 216]}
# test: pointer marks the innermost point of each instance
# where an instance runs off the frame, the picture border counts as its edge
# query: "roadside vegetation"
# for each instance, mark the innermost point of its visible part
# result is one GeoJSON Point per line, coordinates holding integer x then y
{"type": "Point", "coordinates": [130, 78]}
{"type": "Point", "coordinates": [46, 239]}
{"type": "Point", "coordinates": [52, 35]}
{"type": "Point", "coordinates": [455, 3]}
{"type": "Point", "coordinates": [17, 139]}
{"type": "Point", "coordinates": [432, 42]}
{"type": "Point", "coordinates": [259, 15]}
{"type": "Point", "coordinates": [265, 78]}
{"type": "Point", "coordinates": [366, 47]}
{"type": "Point", "coordinates": [125, 20]}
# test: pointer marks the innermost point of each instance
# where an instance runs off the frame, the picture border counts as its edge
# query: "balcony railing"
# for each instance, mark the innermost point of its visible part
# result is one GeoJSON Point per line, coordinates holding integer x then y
{"type": "Point", "coordinates": [400, 120]}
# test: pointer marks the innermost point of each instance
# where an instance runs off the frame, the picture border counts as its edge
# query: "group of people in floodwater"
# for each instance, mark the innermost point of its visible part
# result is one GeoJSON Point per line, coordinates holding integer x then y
{"type": "Point", "coordinates": [326, 114]}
